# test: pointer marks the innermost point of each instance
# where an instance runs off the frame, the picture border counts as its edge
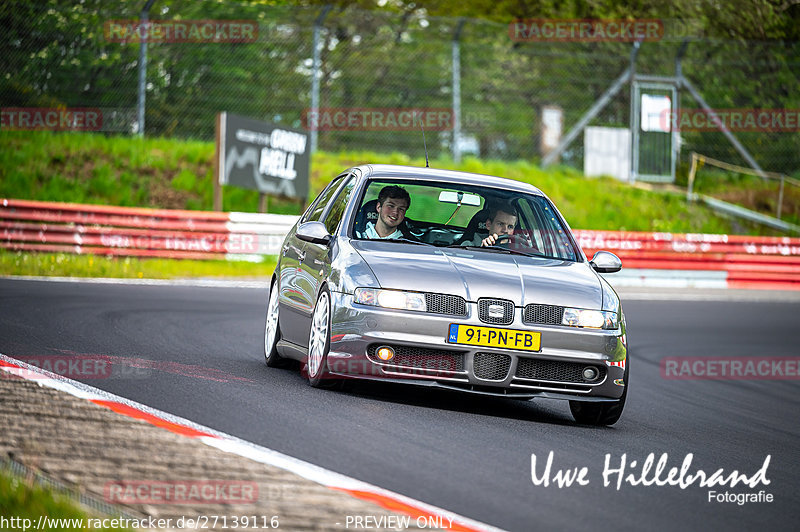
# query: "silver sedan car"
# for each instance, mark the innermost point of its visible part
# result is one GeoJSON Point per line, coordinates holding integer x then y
{"type": "Point", "coordinates": [448, 279]}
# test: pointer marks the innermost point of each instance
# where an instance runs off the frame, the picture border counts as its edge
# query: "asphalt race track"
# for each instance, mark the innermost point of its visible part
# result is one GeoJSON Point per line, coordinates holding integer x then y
{"type": "Point", "coordinates": [202, 354]}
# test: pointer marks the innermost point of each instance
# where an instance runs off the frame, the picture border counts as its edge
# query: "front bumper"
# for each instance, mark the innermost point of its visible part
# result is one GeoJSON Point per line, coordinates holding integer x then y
{"type": "Point", "coordinates": [424, 357]}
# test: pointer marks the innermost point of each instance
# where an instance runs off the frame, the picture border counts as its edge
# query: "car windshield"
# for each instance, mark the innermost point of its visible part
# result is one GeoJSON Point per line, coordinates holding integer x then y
{"type": "Point", "coordinates": [449, 215]}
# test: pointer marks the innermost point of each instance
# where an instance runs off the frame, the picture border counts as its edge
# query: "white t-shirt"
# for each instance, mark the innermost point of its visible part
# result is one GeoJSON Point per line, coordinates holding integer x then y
{"type": "Point", "coordinates": [370, 232]}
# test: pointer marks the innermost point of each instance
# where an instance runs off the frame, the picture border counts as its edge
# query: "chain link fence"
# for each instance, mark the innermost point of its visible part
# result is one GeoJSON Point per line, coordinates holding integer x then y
{"type": "Point", "coordinates": [60, 55]}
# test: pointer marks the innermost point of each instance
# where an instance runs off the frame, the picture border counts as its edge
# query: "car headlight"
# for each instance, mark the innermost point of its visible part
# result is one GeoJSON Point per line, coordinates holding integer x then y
{"type": "Point", "coordinates": [396, 299]}
{"type": "Point", "coordinates": [593, 319]}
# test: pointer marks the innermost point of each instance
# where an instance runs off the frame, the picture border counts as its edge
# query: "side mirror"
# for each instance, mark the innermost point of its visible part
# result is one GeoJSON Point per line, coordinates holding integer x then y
{"type": "Point", "coordinates": [314, 232]}
{"type": "Point", "coordinates": [605, 262]}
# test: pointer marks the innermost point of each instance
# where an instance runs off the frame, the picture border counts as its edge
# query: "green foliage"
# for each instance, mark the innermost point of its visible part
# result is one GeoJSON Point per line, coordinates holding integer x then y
{"type": "Point", "coordinates": [185, 180]}
{"type": "Point", "coordinates": [398, 55]}
{"type": "Point", "coordinates": [21, 500]}
{"type": "Point", "coordinates": [755, 193]}
{"type": "Point", "coordinates": [162, 173]}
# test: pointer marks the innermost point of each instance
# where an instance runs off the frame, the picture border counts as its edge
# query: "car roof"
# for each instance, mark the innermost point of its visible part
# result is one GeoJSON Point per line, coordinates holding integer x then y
{"type": "Point", "coordinates": [392, 171]}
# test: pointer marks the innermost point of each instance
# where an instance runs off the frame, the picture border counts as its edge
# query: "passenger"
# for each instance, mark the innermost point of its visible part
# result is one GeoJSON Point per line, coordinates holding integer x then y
{"type": "Point", "coordinates": [393, 202]}
{"type": "Point", "coordinates": [501, 222]}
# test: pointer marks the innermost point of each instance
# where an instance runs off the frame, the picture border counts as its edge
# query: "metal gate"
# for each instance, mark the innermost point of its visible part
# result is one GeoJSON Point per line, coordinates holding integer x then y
{"type": "Point", "coordinates": [654, 141]}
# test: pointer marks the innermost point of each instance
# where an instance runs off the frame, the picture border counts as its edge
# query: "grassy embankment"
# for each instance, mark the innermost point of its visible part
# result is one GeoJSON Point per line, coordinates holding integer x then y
{"type": "Point", "coordinates": [21, 501]}
{"type": "Point", "coordinates": [166, 173]}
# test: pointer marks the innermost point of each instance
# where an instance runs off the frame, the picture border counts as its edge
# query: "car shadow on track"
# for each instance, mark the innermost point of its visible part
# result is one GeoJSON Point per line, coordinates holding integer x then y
{"type": "Point", "coordinates": [540, 411]}
{"type": "Point", "coordinates": [549, 411]}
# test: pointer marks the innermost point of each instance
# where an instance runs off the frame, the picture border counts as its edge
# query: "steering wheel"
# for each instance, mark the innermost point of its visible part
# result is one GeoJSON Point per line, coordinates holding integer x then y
{"type": "Point", "coordinates": [520, 241]}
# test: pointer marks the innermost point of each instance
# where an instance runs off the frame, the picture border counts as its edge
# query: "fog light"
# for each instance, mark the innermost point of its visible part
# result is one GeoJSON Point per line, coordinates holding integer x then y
{"type": "Point", "coordinates": [385, 353]}
{"type": "Point", "coordinates": [590, 373]}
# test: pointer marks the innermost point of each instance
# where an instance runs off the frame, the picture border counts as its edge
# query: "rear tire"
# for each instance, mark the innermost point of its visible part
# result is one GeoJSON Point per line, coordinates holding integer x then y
{"type": "Point", "coordinates": [589, 413]}
{"type": "Point", "coordinates": [272, 331]}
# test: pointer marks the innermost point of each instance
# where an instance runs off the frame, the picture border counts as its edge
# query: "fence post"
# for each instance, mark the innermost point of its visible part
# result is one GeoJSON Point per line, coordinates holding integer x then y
{"type": "Point", "coordinates": [456, 45]}
{"type": "Point", "coordinates": [692, 171]}
{"type": "Point", "coordinates": [143, 18]}
{"type": "Point", "coordinates": [219, 157]}
{"type": "Point", "coordinates": [676, 108]}
{"type": "Point", "coordinates": [634, 119]}
{"type": "Point", "coordinates": [780, 198]}
{"type": "Point", "coordinates": [315, 74]}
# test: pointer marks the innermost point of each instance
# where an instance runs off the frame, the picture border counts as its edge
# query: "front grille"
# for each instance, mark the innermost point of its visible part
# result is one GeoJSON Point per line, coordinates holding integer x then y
{"type": "Point", "coordinates": [446, 304]}
{"type": "Point", "coordinates": [505, 319]}
{"type": "Point", "coordinates": [491, 366]}
{"type": "Point", "coordinates": [551, 370]}
{"type": "Point", "coordinates": [416, 357]}
{"type": "Point", "coordinates": [543, 314]}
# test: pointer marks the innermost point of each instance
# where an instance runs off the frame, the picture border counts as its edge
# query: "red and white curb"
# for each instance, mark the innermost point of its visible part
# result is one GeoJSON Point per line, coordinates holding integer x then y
{"type": "Point", "coordinates": [231, 444]}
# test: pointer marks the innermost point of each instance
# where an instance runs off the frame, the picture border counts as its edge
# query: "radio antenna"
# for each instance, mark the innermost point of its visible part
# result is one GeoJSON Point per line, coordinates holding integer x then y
{"type": "Point", "coordinates": [424, 143]}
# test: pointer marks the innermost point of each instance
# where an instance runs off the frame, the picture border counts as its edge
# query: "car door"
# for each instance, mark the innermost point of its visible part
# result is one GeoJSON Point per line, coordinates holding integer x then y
{"type": "Point", "coordinates": [297, 295]}
{"type": "Point", "coordinates": [316, 263]}
{"type": "Point", "coordinates": [289, 298]}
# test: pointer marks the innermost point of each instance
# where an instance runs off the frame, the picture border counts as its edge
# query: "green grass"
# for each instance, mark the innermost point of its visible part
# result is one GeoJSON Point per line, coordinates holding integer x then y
{"type": "Point", "coordinates": [165, 173]}
{"type": "Point", "coordinates": [68, 265]}
{"type": "Point", "coordinates": [21, 501]}
{"type": "Point", "coordinates": [752, 192]}
{"type": "Point", "coordinates": [170, 173]}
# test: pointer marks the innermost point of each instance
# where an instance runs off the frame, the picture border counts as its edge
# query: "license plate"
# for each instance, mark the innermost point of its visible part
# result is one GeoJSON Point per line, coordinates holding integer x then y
{"type": "Point", "coordinates": [492, 337]}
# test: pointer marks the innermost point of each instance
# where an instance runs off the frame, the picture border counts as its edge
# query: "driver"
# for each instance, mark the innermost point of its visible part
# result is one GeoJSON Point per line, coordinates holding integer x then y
{"type": "Point", "coordinates": [501, 221]}
{"type": "Point", "coordinates": [393, 202]}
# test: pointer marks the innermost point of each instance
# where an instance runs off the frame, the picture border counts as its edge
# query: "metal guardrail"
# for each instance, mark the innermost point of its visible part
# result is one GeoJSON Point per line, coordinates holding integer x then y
{"type": "Point", "coordinates": [746, 214]}
{"type": "Point", "coordinates": [124, 231]}
{"type": "Point", "coordinates": [744, 261]}
{"type": "Point", "coordinates": [699, 160]}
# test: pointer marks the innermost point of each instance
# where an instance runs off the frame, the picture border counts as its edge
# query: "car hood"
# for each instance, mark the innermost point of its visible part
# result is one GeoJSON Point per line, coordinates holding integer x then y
{"type": "Point", "coordinates": [473, 274]}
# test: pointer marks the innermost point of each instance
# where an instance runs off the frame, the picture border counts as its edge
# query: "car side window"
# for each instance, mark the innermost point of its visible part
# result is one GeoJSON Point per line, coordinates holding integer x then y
{"type": "Point", "coordinates": [554, 237]}
{"type": "Point", "coordinates": [322, 200]}
{"type": "Point", "coordinates": [334, 216]}
{"type": "Point", "coordinates": [529, 226]}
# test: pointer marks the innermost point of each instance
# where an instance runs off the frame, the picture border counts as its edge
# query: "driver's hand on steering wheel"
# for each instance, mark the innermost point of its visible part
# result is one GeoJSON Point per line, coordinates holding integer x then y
{"type": "Point", "coordinates": [493, 239]}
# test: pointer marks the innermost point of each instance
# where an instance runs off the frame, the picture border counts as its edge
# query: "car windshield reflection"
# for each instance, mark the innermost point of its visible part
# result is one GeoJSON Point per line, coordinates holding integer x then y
{"type": "Point", "coordinates": [448, 215]}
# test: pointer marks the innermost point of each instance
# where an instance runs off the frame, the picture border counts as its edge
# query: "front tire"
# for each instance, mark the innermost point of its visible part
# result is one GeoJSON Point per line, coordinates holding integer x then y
{"type": "Point", "coordinates": [587, 413]}
{"type": "Point", "coordinates": [319, 343]}
{"type": "Point", "coordinates": [272, 330]}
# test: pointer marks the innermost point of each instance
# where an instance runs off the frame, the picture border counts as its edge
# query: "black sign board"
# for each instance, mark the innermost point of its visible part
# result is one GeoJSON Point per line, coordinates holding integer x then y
{"type": "Point", "coordinates": [272, 159]}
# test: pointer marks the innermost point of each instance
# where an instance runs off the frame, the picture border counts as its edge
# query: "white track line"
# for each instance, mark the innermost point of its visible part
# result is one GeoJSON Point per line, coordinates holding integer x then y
{"type": "Point", "coordinates": [238, 446]}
